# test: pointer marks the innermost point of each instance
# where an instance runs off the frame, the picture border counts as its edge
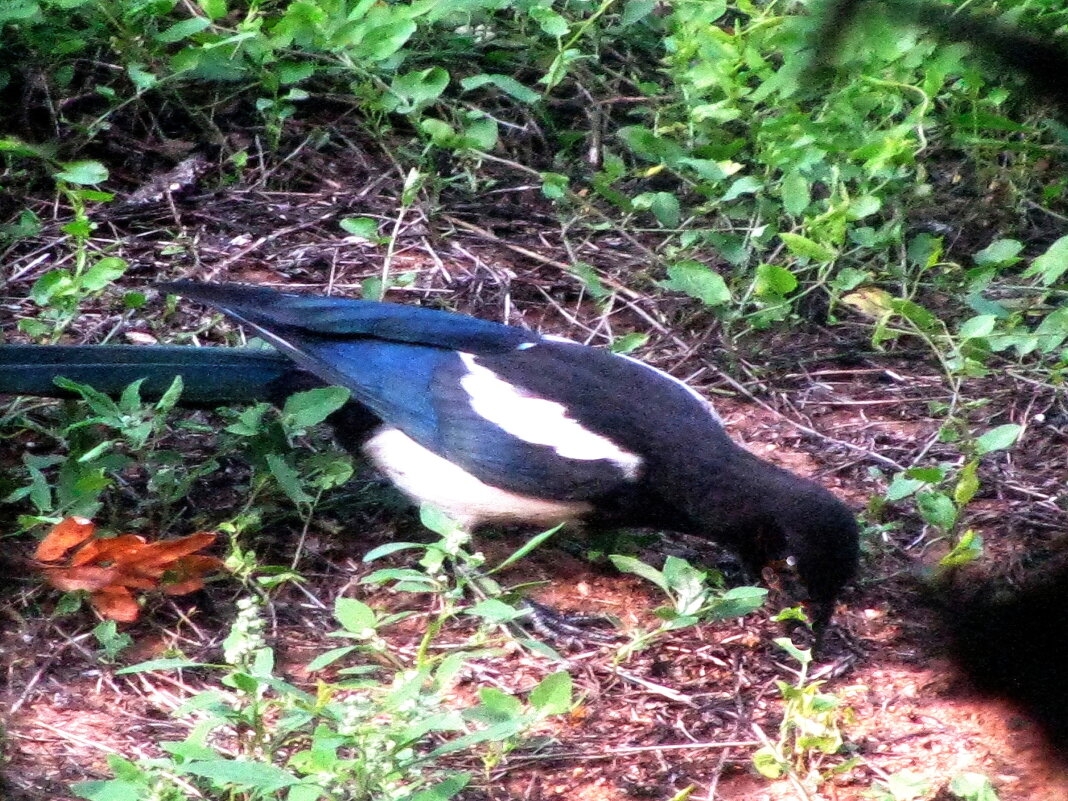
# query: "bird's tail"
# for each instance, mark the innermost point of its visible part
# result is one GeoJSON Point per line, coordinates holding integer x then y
{"type": "Point", "coordinates": [211, 376]}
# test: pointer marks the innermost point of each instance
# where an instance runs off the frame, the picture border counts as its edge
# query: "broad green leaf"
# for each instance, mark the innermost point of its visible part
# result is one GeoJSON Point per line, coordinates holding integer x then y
{"type": "Point", "coordinates": [549, 21]}
{"type": "Point", "coordinates": [977, 327]}
{"type": "Point", "coordinates": [83, 172]}
{"type": "Point", "coordinates": [1000, 252]}
{"type": "Point", "coordinates": [967, 483]}
{"type": "Point", "coordinates": [937, 509]}
{"type": "Point", "coordinates": [771, 279]}
{"type": "Point", "coordinates": [494, 611]}
{"type": "Point", "coordinates": [288, 479]}
{"type": "Point", "coordinates": [111, 790]}
{"type": "Point", "coordinates": [363, 227]}
{"type": "Point", "coordinates": [506, 83]}
{"type": "Point", "coordinates": [973, 787]}
{"type": "Point", "coordinates": [767, 763]}
{"type": "Point", "coordinates": [443, 790]}
{"type": "Point", "coordinates": [356, 616]}
{"type": "Point", "coordinates": [646, 144]}
{"type": "Point", "coordinates": [796, 193]}
{"type": "Point", "coordinates": [102, 273]}
{"type": "Point", "coordinates": [635, 10]}
{"type": "Point", "coordinates": [228, 772]}
{"type": "Point", "coordinates": [628, 564]}
{"type": "Point", "coordinates": [313, 406]}
{"type": "Point", "coordinates": [182, 30]}
{"type": "Point", "coordinates": [902, 487]}
{"type": "Point", "coordinates": [697, 281]}
{"type": "Point", "coordinates": [1052, 264]}
{"type": "Point", "coordinates": [552, 695]}
{"type": "Point", "coordinates": [806, 248]}
{"type": "Point", "coordinates": [968, 549]}
{"type": "Point", "coordinates": [998, 439]}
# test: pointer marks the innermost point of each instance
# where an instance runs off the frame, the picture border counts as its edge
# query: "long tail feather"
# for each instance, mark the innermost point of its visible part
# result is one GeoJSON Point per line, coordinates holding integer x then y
{"type": "Point", "coordinates": [211, 376]}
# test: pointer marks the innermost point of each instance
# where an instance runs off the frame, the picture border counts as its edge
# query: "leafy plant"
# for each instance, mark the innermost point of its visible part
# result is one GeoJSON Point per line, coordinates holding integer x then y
{"type": "Point", "coordinates": [810, 728]}
{"type": "Point", "coordinates": [377, 733]}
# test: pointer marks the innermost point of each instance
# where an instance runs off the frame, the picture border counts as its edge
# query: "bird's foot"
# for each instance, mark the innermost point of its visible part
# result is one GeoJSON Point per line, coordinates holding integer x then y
{"type": "Point", "coordinates": [572, 631]}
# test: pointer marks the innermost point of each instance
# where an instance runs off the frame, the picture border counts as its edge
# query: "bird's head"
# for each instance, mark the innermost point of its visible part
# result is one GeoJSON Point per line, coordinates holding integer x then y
{"type": "Point", "coordinates": [822, 543]}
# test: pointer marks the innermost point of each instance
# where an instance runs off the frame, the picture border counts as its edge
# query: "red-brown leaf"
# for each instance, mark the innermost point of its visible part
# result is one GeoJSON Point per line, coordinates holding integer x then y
{"type": "Point", "coordinates": [115, 603]}
{"type": "Point", "coordinates": [64, 535]}
{"type": "Point", "coordinates": [101, 551]}
{"type": "Point", "coordinates": [86, 577]}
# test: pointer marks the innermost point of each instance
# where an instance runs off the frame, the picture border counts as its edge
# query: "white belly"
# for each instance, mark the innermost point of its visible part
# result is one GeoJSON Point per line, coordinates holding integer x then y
{"type": "Point", "coordinates": [426, 477]}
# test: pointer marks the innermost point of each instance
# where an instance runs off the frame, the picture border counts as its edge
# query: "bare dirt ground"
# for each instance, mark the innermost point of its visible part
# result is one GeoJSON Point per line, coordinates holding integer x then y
{"type": "Point", "coordinates": [690, 709]}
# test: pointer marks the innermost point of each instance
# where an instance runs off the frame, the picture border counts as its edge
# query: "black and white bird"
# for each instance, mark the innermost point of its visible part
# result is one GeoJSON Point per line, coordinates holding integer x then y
{"type": "Point", "coordinates": [495, 424]}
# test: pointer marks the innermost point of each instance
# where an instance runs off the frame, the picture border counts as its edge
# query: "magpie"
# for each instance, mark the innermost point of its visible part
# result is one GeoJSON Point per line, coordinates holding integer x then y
{"type": "Point", "coordinates": [493, 423]}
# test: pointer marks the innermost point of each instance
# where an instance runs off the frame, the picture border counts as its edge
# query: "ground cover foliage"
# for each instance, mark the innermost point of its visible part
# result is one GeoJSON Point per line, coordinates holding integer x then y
{"type": "Point", "coordinates": [869, 262]}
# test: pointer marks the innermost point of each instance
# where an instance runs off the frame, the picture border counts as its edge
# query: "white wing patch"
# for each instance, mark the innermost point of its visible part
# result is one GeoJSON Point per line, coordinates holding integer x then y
{"type": "Point", "coordinates": [425, 477]}
{"type": "Point", "coordinates": [539, 421]}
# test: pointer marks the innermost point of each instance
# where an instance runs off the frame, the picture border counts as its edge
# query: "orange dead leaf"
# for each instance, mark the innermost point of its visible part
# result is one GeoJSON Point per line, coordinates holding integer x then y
{"type": "Point", "coordinates": [101, 551]}
{"type": "Point", "coordinates": [86, 577]}
{"type": "Point", "coordinates": [166, 552]}
{"type": "Point", "coordinates": [188, 574]}
{"type": "Point", "coordinates": [110, 568]}
{"type": "Point", "coordinates": [115, 603]}
{"type": "Point", "coordinates": [64, 535]}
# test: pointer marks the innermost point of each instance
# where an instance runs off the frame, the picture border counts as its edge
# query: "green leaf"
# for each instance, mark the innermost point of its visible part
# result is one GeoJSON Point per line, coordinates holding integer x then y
{"type": "Point", "coordinates": [803, 247]}
{"type": "Point", "coordinates": [664, 205]}
{"type": "Point", "coordinates": [628, 564]}
{"type": "Point", "coordinates": [552, 696]}
{"type": "Point", "coordinates": [1052, 264]}
{"type": "Point", "coordinates": [863, 206]}
{"type": "Point", "coordinates": [774, 280]}
{"type": "Point", "coordinates": [978, 327]}
{"type": "Point", "coordinates": [554, 185]}
{"type": "Point", "coordinates": [102, 273]}
{"type": "Point", "coordinates": [697, 281]}
{"type": "Point", "coordinates": [937, 509]}
{"type": "Point", "coordinates": [437, 521]}
{"type": "Point", "coordinates": [767, 763]}
{"type": "Point", "coordinates": [110, 790]}
{"type": "Point", "coordinates": [998, 439]}
{"type": "Point", "coordinates": [526, 548]}
{"type": "Point", "coordinates": [968, 549]}
{"type": "Point", "coordinates": [506, 83]}
{"type": "Point", "coordinates": [635, 10]}
{"type": "Point", "coordinates": [313, 406]}
{"type": "Point", "coordinates": [902, 487]}
{"type": "Point", "coordinates": [388, 548]}
{"type": "Point", "coordinates": [328, 658]}
{"type": "Point", "coordinates": [83, 172]}
{"type": "Point", "coordinates": [915, 314]}
{"type": "Point", "coordinates": [999, 253]}
{"type": "Point", "coordinates": [967, 483]}
{"type": "Point", "coordinates": [363, 227]}
{"type": "Point", "coordinates": [355, 616]}
{"type": "Point", "coordinates": [745, 185]}
{"type": "Point", "coordinates": [648, 145]}
{"type": "Point", "coordinates": [494, 611]}
{"type": "Point", "coordinates": [796, 193]}
{"type": "Point", "coordinates": [215, 9]}
{"type": "Point", "coordinates": [549, 21]}
{"type": "Point", "coordinates": [230, 773]}
{"type": "Point", "coordinates": [443, 790]}
{"type": "Point", "coordinates": [418, 89]}
{"type": "Point", "coordinates": [973, 787]}
{"type": "Point", "coordinates": [802, 655]}
{"type": "Point", "coordinates": [629, 342]}
{"type": "Point", "coordinates": [182, 30]}
{"type": "Point", "coordinates": [288, 479]}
